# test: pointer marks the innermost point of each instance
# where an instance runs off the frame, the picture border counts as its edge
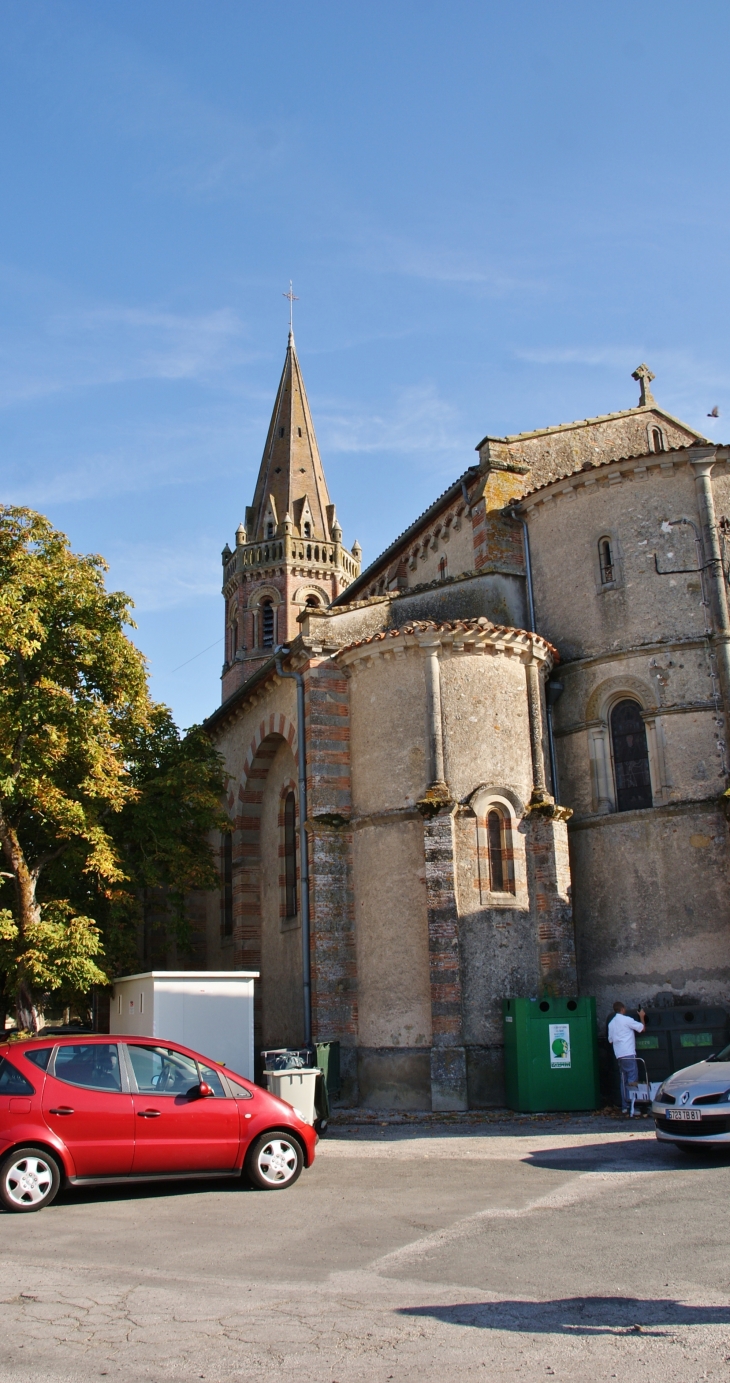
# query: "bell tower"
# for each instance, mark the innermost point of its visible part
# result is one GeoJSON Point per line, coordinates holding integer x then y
{"type": "Point", "coordinates": [289, 551]}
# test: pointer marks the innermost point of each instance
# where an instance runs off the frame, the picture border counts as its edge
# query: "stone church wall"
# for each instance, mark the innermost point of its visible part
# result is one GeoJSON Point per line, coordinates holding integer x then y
{"type": "Point", "coordinates": [651, 898]}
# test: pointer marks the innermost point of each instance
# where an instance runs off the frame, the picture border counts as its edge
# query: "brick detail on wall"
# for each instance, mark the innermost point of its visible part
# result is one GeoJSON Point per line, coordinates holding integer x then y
{"type": "Point", "coordinates": [327, 711]}
{"type": "Point", "coordinates": [247, 866]}
{"type": "Point", "coordinates": [448, 1058]}
{"type": "Point", "coordinates": [333, 960]}
{"type": "Point", "coordinates": [548, 873]}
{"type": "Point", "coordinates": [497, 538]}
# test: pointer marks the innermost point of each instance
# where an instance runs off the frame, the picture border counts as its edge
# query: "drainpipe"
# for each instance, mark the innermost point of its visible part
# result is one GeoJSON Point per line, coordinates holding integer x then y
{"type": "Point", "coordinates": [303, 844]}
{"type": "Point", "coordinates": [553, 691]}
{"type": "Point", "coordinates": [550, 699]}
{"type": "Point", "coordinates": [528, 569]}
{"type": "Point", "coordinates": [702, 460]}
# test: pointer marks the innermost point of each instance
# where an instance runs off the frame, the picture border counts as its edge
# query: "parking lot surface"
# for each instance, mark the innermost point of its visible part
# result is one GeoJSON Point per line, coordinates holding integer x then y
{"type": "Point", "coordinates": [581, 1250]}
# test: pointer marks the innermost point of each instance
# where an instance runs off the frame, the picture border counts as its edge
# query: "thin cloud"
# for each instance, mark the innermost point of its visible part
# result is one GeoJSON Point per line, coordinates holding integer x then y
{"type": "Point", "coordinates": [381, 253]}
{"type": "Point", "coordinates": [161, 578]}
{"type": "Point", "coordinates": [420, 419]}
{"type": "Point", "coordinates": [82, 346]}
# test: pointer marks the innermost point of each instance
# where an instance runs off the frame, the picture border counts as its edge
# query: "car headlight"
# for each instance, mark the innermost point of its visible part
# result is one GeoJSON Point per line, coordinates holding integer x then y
{"type": "Point", "coordinates": [660, 1093]}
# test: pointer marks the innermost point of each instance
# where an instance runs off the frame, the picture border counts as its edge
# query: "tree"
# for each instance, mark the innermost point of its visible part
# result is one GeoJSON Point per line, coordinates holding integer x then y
{"type": "Point", "coordinates": [98, 794]}
{"type": "Point", "coordinates": [161, 833]}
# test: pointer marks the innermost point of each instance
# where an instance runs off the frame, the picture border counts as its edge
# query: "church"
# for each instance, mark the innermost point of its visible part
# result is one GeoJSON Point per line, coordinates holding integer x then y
{"type": "Point", "coordinates": [494, 762]}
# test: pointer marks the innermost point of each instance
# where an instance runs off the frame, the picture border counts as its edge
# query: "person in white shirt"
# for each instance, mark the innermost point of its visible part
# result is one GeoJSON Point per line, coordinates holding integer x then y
{"type": "Point", "coordinates": [622, 1032]}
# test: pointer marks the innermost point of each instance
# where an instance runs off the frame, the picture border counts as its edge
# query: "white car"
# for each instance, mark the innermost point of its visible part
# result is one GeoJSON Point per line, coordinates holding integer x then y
{"type": "Point", "coordinates": [692, 1107]}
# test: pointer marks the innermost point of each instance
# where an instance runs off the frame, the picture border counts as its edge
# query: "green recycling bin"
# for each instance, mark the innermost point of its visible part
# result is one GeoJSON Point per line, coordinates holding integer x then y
{"type": "Point", "coordinates": [550, 1054]}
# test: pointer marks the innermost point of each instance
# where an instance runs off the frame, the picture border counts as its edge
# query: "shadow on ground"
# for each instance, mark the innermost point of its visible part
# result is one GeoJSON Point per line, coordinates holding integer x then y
{"type": "Point", "coordinates": [635, 1155]}
{"type": "Point", "coordinates": [576, 1315]}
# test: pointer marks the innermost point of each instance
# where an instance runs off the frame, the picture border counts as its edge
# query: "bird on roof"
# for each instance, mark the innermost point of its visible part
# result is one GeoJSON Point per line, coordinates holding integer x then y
{"type": "Point", "coordinates": [715, 412]}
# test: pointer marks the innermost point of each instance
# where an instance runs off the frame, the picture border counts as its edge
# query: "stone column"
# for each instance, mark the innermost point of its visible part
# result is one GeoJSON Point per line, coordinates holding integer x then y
{"type": "Point", "coordinates": [600, 756]}
{"type": "Point", "coordinates": [433, 708]}
{"type": "Point", "coordinates": [549, 883]}
{"type": "Point", "coordinates": [534, 711]}
{"type": "Point", "coordinates": [448, 1057]}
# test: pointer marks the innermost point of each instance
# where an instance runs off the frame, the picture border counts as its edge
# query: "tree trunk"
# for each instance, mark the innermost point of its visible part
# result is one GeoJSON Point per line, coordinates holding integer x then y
{"type": "Point", "coordinates": [27, 913]}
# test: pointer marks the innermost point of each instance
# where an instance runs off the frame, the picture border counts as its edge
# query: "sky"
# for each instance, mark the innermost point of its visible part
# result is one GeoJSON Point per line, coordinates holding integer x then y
{"type": "Point", "coordinates": [491, 214]}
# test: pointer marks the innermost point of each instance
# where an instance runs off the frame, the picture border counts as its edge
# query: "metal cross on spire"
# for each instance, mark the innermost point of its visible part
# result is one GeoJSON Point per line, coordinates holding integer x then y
{"type": "Point", "coordinates": [291, 295]}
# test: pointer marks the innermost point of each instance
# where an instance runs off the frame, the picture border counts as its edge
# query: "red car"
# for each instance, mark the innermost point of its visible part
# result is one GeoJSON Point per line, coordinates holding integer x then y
{"type": "Point", "coordinates": [83, 1110]}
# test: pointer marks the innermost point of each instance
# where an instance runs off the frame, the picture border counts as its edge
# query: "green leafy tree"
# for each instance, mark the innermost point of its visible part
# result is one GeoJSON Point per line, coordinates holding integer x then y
{"type": "Point", "coordinates": [100, 798]}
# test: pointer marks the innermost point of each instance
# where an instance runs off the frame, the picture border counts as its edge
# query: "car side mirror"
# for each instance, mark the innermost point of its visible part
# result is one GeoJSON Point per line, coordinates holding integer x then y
{"type": "Point", "coordinates": [205, 1089]}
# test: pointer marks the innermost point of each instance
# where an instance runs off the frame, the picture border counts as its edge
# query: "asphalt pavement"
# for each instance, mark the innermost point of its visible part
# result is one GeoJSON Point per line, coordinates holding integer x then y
{"type": "Point", "coordinates": [580, 1249]}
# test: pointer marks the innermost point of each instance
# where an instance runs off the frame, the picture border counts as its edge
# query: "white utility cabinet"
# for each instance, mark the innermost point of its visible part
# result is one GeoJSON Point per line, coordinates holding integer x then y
{"type": "Point", "coordinates": [208, 1010]}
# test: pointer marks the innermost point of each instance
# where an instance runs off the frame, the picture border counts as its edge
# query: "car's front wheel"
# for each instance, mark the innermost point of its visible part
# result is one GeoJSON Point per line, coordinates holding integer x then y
{"type": "Point", "coordinates": [29, 1179]}
{"type": "Point", "coordinates": [274, 1161]}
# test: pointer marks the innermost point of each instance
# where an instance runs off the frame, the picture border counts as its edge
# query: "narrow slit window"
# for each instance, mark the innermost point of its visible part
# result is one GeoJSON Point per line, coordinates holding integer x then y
{"type": "Point", "coordinates": [307, 530]}
{"type": "Point", "coordinates": [657, 440]}
{"type": "Point", "coordinates": [496, 852]}
{"type": "Point", "coordinates": [443, 569]}
{"type": "Point", "coordinates": [267, 624]}
{"type": "Point", "coordinates": [605, 556]}
{"type": "Point", "coordinates": [228, 884]}
{"type": "Point", "coordinates": [290, 853]}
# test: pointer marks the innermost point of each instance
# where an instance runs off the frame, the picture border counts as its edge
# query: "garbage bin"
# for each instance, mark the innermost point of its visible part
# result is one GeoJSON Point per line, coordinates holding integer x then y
{"type": "Point", "coordinates": [550, 1054]}
{"type": "Point", "coordinates": [291, 1076]}
{"type": "Point", "coordinates": [328, 1061]}
{"type": "Point", "coordinates": [677, 1037]}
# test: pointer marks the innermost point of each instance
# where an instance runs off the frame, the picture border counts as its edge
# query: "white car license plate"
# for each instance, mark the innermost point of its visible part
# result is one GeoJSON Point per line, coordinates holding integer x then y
{"type": "Point", "coordinates": [687, 1114]}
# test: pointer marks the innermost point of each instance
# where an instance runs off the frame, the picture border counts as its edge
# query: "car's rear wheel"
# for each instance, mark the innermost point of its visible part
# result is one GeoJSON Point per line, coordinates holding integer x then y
{"type": "Point", "coordinates": [274, 1161]}
{"type": "Point", "coordinates": [29, 1179]}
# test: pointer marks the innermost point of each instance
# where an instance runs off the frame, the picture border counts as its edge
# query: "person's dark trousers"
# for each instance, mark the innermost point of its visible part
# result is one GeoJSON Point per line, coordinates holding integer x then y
{"type": "Point", "coordinates": [629, 1070]}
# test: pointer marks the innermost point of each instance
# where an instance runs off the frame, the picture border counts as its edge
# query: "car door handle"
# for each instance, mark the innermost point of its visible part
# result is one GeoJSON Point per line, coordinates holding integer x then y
{"type": "Point", "coordinates": [64, 1109]}
{"type": "Point", "coordinates": [149, 1113]}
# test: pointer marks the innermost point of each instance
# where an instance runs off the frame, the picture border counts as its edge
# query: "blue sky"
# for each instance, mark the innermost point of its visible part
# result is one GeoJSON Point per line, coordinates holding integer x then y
{"type": "Point", "coordinates": [491, 213]}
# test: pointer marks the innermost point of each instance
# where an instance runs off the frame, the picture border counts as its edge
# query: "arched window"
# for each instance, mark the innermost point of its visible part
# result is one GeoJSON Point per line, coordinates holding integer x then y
{"type": "Point", "coordinates": [312, 602]}
{"type": "Point", "coordinates": [605, 557]}
{"type": "Point", "coordinates": [228, 884]}
{"type": "Point", "coordinates": [495, 832]}
{"type": "Point", "coordinates": [630, 757]}
{"type": "Point", "coordinates": [657, 441]}
{"type": "Point", "coordinates": [443, 568]}
{"type": "Point", "coordinates": [234, 639]}
{"type": "Point", "coordinates": [267, 624]}
{"type": "Point", "coordinates": [290, 853]}
{"type": "Point", "coordinates": [307, 530]}
{"type": "Point", "coordinates": [269, 529]}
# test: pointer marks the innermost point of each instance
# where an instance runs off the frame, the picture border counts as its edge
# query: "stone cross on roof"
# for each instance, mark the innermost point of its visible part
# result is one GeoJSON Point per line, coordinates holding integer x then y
{"type": "Point", "coordinates": [644, 376]}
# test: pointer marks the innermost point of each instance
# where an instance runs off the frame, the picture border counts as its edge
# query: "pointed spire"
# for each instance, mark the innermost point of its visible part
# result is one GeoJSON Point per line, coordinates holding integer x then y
{"type": "Point", "coordinates": [291, 479]}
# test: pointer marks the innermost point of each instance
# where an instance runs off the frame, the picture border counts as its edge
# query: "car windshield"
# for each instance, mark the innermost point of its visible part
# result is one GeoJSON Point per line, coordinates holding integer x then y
{"type": "Point", "coordinates": [162, 1071]}
{"type": "Point", "coordinates": [724, 1055]}
{"type": "Point", "coordinates": [239, 1089]}
{"type": "Point", "coordinates": [212, 1079]}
